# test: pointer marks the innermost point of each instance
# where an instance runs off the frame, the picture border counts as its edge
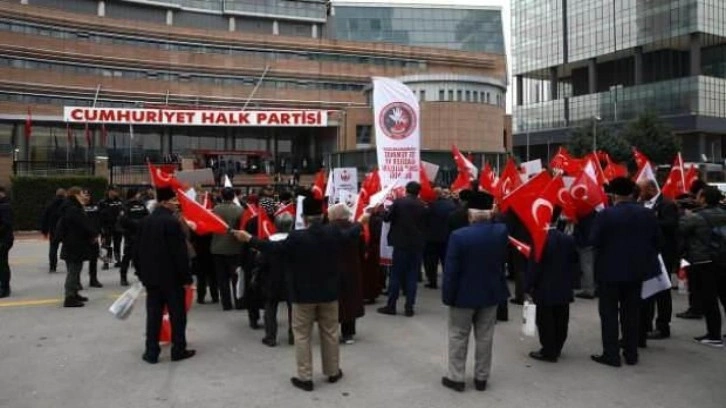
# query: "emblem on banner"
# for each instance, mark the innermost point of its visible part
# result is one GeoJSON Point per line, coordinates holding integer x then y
{"type": "Point", "coordinates": [397, 120]}
{"type": "Point", "coordinates": [345, 176]}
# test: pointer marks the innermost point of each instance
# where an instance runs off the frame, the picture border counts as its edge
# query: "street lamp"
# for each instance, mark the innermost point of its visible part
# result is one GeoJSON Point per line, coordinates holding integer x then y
{"type": "Point", "coordinates": [595, 119]}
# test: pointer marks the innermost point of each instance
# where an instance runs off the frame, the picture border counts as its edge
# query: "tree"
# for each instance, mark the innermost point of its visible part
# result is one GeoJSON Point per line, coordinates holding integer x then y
{"type": "Point", "coordinates": [580, 143]}
{"type": "Point", "coordinates": [653, 137]}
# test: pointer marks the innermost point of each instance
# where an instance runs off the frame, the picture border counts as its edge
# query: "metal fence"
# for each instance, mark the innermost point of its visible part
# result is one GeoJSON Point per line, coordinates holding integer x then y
{"type": "Point", "coordinates": [53, 168]}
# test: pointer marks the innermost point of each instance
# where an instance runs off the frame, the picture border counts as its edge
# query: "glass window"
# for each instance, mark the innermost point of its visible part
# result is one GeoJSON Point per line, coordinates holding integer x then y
{"type": "Point", "coordinates": [363, 135]}
{"type": "Point", "coordinates": [459, 96]}
{"type": "Point", "coordinates": [451, 94]}
{"type": "Point", "coordinates": [422, 95]}
{"type": "Point", "coordinates": [442, 94]}
{"type": "Point", "coordinates": [468, 96]}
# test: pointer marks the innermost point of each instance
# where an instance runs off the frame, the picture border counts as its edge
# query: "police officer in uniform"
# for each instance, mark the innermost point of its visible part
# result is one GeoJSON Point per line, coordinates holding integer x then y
{"type": "Point", "coordinates": [94, 215]}
{"type": "Point", "coordinates": [133, 213]}
{"type": "Point", "coordinates": [111, 208]}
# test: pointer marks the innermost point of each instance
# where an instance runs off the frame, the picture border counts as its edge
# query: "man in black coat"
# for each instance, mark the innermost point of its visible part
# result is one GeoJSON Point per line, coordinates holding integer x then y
{"type": "Point", "coordinates": [48, 223]}
{"type": "Point", "coordinates": [407, 216]}
{"type": "Point", "coordinates": [162, 264]}
{"type": "Point", "coordinates": [313, 263]}
{"type": "Point", "coordinates": [626, 238]}
{"type": "Point", "coordinates": [549, 283]}
{"type": "Point", "coordinates": [111, 208]}
{"type": "Point", "coordinates": [93, 212]}
{"type": "Point", "coordinates": [437, 233]}
{"type": "Point", "coordinates": [134, 211]}
{"type": "Point", "coordinates": [6, 242]}
{"type": "Point", "coordinates": [77, 234]}
{"type": "Point", "coordinates": [666, 211]}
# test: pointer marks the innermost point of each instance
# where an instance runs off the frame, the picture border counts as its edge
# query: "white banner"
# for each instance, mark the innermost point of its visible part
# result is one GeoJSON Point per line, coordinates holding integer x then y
{"type": "Point", "coordinates": [188, 117]}
{"type": "Point", "coordinates": [344, 179]}
{"type": "Point", "coordinates": [396, 115]}
{"type": "Point", "coordinates": [299, 223]}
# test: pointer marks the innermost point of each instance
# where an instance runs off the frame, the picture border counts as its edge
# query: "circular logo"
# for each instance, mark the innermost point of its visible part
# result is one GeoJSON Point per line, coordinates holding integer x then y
{"type": "Point", "coordinates": [345, 176]}
{"type": "Point", "coordinates": [397, 120]}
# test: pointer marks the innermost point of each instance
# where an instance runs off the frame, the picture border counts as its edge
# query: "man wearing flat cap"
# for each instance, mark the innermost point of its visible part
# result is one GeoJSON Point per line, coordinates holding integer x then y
{"type": "Point", "coordinates": [162, 264]}
{"type": "Point", "coordinates": [626, 238]}
{"type": "Point", "coordinates": [473, 286]}
{"type": "Point", "coordinates": [314, 265]}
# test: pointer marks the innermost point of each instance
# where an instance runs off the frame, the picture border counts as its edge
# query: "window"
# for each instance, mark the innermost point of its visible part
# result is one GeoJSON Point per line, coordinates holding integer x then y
{"type": "Point", "coordinates": [468, 96]}
{"type": "Point", "coordinates": [422, 95]}
{"type": "Point", "coordinates": [488, 100]}
{"type": "Point", "coordinates": [459, 95]}
{"type": "Point", "coordinates": [451, 94]}
{"type": "Point", "coordinates": [442, 94]}
{"type": "Point", "coordinates": [363, 135]}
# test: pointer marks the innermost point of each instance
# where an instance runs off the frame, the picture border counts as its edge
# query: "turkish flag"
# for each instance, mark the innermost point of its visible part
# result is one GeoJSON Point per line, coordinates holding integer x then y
{"type": "Point", "coordinates": [640, 158]}
{"type": "Point", "coordinates": [534, 205]}
{"type": "Point", "coordinates": [691, 177]}
{"type": "Point", "coordinates": [249, 213]}
{"type": "Point", "coordinates": [28, 125]}
{"type": "Point", "coordinates": [647, 174]}
{"type": "Point", "coordinates": [675, 184]}
{"type": "Point", "coordinates": [464, 165]}
{"type": "Point", "coordinates": [487, 179]}
{"type": "Point", "coordinates": [371, 185]}
{"type": "Point", "coordinates": [594, 160]}
{"type": "Point", "coordinates": [564, 162]}
{"type": "Point", "coordinates": [461, 182]}
{"type": "Point", "coordinates": [288, 208]}
{"type": "Point", "coordinates": [201, 220]}
{"type": "Point", "coordinates": [207, 203]}
{"type": "Point", "coordinates": [427, 192]}
{"type": "Point", "coordinates": [265, 227]}
{"type": "Point", "coordinates": [557, 188]}
{"type": "Point", "coordinates": [161, 179]}
{"type": "Point", "coordinates": [587, 195]}
{"type": "Point", "coordinates": [520, 246]}
{"type": "Point", "coordinates": [613, 170]}
{"type": "Point", "coordinates": [508, 182]}
{"type": "Point", "coordinates": [319, 186]}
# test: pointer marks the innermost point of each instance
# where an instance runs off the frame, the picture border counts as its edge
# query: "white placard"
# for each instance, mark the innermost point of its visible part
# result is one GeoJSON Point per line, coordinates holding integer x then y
{"type": "Point", "coordinates": [431, 170]}
{"type": "Point", "coordinates": [299, 223]}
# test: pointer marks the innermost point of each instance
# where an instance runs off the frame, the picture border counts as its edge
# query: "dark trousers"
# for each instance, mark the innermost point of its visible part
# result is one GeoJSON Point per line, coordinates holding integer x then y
{"type": "Point", "coordinates": [517, 266]}
{"type": "Point", "coordinates": [203, 267]}
{"type": "Point", "coordinates": [173, 300]}
{"type": "Point", "coordinates": [126, 259]}
{"type": "Point", "coordinates": [4, 267]}
{"type": "Point", "coordinates": [695, 288]}
{"type": "Point", "coordinates": [112, 238]}
{"type": "Point", "coordinates": [663, 302]}
{"type": "Point", "coordinates": [225, 266]}
{"type": "Point", "coordinates": [406, 267]}
{"type": "Point", "coordinates": [434, 253]}
{"type": "Point", "coordinates": [347, 329]}
{"type": "Point", "coordinates": [714, 289]}
{"type": "Point", "coordinates": [552, 323]}
{"type": "Point", "coordinates": [619, 301]}
{"type": "Point", "coordinates": [271, 319]}
{"type": "Point", "coordinates": [53, 252]}
{"type": "Point", "coordinates": [73, 278]}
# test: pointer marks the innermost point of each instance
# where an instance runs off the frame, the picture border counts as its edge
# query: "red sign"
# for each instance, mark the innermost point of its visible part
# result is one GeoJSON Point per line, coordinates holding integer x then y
{"type": "Point", "coordinates": [185, 117]}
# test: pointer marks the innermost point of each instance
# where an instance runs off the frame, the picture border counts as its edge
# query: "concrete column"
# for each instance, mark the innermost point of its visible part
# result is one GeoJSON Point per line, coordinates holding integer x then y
{"type": "Point", "coordinates": [102, 8]}
{"type": "Point", "coordinates": [169, 17]}
{"type": "Point", "coordinates": [695, 54]}
{"type": "Point", "coordinates": [275, 28]}
{"type": "Point", "coordinates": [520, 90]}
{"type": "Point", "coordinates": [638, 65]}
{"type": "Point", "coordinates": [592, 75]}
{"type": "Point", "coordinates": [315, 31]}
{"type": "Point", "coordinates": [232, 24]}
{"type": "Point", "coordinates": [554, 82]}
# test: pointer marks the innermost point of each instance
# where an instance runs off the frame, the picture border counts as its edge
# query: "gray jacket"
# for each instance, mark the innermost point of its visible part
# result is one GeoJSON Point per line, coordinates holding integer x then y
{"type": "Point", "coordinates": [695, 233]}
{"type": "Point", "coordinates": [226, 244]}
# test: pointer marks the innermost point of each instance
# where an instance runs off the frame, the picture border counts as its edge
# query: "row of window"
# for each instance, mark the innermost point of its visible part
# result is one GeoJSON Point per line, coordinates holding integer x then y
{"type": "Point", "coordinates": [171, 45]}
{"type": "Point", "coordinates": [135, 73]}
{"type": "Point", "coordinates": [466, 96]}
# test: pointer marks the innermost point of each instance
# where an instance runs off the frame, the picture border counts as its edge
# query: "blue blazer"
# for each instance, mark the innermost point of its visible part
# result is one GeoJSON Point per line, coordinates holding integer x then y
{"type": "Point", "coordinates": [627, 240]}
{"type": "Point", "coordinates": [474, 268]}
{"type": "Point", "coordinates": [550, 281]}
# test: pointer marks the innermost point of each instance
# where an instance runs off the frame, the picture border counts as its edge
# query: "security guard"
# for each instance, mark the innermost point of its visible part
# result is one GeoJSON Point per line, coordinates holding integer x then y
{"type": "Point", "coordinates": [94, 214]}
{"type": "Point", "coordinates": [111, 208]}
{"type": "Point", "coordinates": [133, 213]}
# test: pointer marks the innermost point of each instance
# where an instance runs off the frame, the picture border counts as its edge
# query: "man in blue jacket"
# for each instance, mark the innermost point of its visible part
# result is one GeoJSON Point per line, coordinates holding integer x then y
{"type": "Point", "coordinates": [626, 238]}
{"type": "Point", "coordinates": [473, 286]}
{"type": "Point", "coordinates": [550, 283]}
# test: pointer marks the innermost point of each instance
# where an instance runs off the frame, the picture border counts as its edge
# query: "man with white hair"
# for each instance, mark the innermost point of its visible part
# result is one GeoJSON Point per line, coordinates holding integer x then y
{"type": "Point", "coordinates": [473, 286]}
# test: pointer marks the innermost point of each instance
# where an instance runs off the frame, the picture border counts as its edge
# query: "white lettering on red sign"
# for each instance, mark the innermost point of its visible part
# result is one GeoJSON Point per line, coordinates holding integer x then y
{"type": "Point", "coordinates": [285, 118]}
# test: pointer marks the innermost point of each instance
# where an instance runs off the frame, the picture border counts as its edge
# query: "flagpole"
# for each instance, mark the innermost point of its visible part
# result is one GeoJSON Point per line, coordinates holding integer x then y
{"type": "Point", "coordinates": [131, 139]}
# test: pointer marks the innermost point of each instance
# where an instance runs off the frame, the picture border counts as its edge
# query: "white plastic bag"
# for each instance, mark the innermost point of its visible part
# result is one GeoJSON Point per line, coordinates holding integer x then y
{"type": "Point", "coordinates": [240, 288]}
{"type": "Point", "coordinates": [529, 313]}
{"type": "Point", "coordinates": [122, 307]}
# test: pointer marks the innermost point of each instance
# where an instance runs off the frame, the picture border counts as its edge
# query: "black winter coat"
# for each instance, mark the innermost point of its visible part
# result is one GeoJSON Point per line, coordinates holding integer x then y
{"type": "Point", "coordinates": [6, 223]}
{"type": "Point", "coordinates": [407, 216]}
{"type": "Point", "coordinates": [162, 257]}
{"type": "Point", "coordinates": [51, 215]}
{"type": "Point", "coordinates": [76, 232]}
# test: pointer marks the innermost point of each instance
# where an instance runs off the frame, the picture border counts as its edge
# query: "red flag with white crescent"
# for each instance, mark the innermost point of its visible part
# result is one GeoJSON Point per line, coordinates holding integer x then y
{"type": "Point", "coordinates": [508, 182]}
{"type": "Point", "coordinates": [534, 205]}
{"type": "Point", "coordinates": [265, 227]}
{"type": "Point", "coordinates": [319, 186]}
{"type": "Point", "coordinates": [162, 179]}
{"type": "Point", "coordinates": [520, 246]}
{"type": "Point", "coordinates": [587, 194]}
{"type": "Point", "coordinates": [249, 213]}
{"type": "Point", "coordinates": [199, 219]}
{"type": "Point", "coordinates": [675, 184]}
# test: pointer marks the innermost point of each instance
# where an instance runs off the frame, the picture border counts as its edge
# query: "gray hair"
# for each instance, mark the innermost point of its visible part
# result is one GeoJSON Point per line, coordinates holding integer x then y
{"type": "Point", "coordinates": [479, 216]}
{"type": "Point", "coordinates": [339, 211]}
{"type": "Point", "coordinates": [284, 222]}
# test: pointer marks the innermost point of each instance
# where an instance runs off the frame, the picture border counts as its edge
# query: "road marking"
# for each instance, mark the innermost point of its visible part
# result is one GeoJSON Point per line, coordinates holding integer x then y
{"type": "Point", "coordinates": [43, 302]}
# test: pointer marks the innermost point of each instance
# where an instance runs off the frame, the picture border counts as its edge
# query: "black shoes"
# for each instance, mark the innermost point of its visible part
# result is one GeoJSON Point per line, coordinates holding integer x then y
{"type": "Point", "coordinates": [183, 355]}
{"type": "Point", "coordinates": [409, 313]}
{"type": "Point", "coordinates": [480, 385]}
{"type": "Point", "coordinates": [387, 311]}
{"type": "Point", "coordinates": [269, 342]}
{"type": "Point", "coordinates": [82, 298]}
{"type": "Point", "coordinates": [537, 355]}
{"type": "Point", "coordinates": [303, 385]}
{"type": "Point", "coordinates": [453, 385]}
{"type": "Point", "coordinates": [516, 301]}
{"type": "Point", "coordinates": [601, 359]}
{"type": "Point", "coordinates": [4, 292]}
{"type": "Point", "coordinates": [335, 378]}
{"type": "Point", "coordinates": [585, 296]}
{"type": "Point", "coordinates": [659, 335]}
{"type": "Point", "coordinates": [690, 315]}
{"type": "Point", "coordinates": [52, 270]}
{"type": "Point", "coordinates": [95, 284]}
{"type": "Point", "coordinates": [150, 359]}
{"type": "Point", "coordinates": [124, 282]}
{"type": "Point", "coordinates": [73, 302]}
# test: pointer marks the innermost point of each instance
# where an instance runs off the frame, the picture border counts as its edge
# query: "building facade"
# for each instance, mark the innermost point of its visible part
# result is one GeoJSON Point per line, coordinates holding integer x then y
{"type": "Point", "coordinates": [242, 54]}
{"type": "Point", "coordinates": [580, 61]}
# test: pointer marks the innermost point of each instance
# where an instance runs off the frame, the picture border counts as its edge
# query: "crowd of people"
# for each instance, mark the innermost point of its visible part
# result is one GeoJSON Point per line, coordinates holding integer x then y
{"type": "Point", "coordinates": [328, 270]}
